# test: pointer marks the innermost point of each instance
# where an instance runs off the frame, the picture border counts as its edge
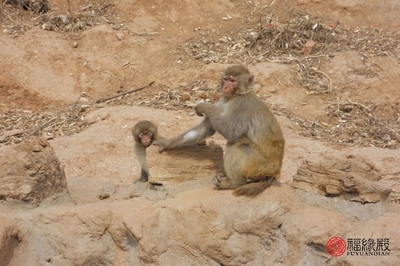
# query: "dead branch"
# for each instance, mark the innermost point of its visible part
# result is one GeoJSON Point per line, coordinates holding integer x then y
{"type": "Point", "coordinates": [123, 93]}
{"type": "Point", "coordinates": [329, 79]}
{"type": "Point", "coordinates": [360, 105]}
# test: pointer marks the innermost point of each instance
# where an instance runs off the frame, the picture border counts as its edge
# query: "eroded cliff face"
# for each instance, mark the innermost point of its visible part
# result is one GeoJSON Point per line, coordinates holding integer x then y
{"type": "Point", "coordinates": [30, 172]}
{"type": "Point", "coordinates": [201, 227]}
{"type": "Point", "coordinates": [184, 221]}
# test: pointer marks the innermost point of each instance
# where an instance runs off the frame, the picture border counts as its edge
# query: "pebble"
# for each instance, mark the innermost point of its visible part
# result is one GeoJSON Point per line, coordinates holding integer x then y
{"type": "Point", "coordinates": [120, 36]}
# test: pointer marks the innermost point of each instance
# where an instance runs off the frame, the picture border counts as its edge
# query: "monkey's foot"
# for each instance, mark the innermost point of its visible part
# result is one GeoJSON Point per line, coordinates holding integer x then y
{"type": "Point", "coordinates": [217, 180]}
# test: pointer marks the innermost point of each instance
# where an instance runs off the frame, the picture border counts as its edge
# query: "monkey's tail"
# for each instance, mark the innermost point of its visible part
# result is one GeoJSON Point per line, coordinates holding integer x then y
{"type": "Point", "coordinates": [253, 189]}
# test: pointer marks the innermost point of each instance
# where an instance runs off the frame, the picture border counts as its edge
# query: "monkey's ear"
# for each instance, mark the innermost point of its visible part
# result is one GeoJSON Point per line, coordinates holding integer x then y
{"type": "Point", "coordinates": [251, 79]}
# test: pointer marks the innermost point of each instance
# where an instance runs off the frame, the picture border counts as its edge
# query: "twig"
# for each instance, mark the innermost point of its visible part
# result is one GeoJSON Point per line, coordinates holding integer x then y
{"type": "Point", "coordinates": [283, 28]}
{"type": "Point", "coordinates": [326, 75]}
{"type": "Point", "coordinates": [124, 93]}
{"type": "Point", "coordinates": [359, 104]}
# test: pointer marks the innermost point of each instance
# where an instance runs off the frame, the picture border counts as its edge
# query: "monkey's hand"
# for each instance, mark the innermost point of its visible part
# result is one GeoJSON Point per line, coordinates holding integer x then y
{"type": "Point", "coordinates": [203, 109]}
{"type": "Point", "coordinates": [162, 143]}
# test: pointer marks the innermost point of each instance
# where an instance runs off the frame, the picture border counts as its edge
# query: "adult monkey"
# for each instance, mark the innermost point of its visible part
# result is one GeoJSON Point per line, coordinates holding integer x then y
{"type": "Point", "coordinates": [255, 147]}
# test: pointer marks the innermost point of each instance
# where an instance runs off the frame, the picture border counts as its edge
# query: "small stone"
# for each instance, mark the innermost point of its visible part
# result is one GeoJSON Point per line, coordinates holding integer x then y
{"type": "Point", "coordinates": [104, 196]}
{"type": "Point", "coordinates": [46, 26]}
{"type": "Point", "coordinates": [75, 44]}
{"type": "Point", "coordinates": [48, 135]}
{"type": "Point", "coordinates": [83, 100]}
{"type": "Point", "coordinates": [84, 107]}
{"type": "Point", "coordinates": [120, 36]}
{"type": "Point", "coordinates": [64, 19]}
{"type": "Point", "coordinates": [308, 47]}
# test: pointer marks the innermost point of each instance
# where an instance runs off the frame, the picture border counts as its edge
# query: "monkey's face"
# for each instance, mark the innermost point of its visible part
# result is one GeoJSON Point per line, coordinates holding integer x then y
{"type": "Point", "coordinates": [146, 138]}
{"type": "Point", "coordinates": [236, 80]}
{"type": "Point", "coordinates": [228, 85]}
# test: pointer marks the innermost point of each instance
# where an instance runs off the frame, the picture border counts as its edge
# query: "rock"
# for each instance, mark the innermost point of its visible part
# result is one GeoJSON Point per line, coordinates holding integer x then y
{"type": "Point", "coordinates": [204, 161]}
{"type": "Point", "coordinates": [30, 171]}
{"type": "Point", "coordinates": [9, 239]}
{"type": "Point", "coordinates": [106, 190]}
{"type": "Point", "coordinates": [122, 236]}
{"type": "Point", "coordinates": [308, 47]}
{"type": "Point", "coordinates": [120, 36]}
{"type": "Point", "coordinates": [64, 19]}
{"type": "Point", "coordinates": [83, 99]}
{"type": "Point", "coordinates": [84, 107]}
{"type": "Point", "coordinates": [202, 227]}
{"type": "Point", "coordinates": [48, 135]}
{"type": "Point", "coordinates": [355, 179]}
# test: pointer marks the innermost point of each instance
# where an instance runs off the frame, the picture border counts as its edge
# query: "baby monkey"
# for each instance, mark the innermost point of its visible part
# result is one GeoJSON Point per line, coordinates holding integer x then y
{"type": "Point", "coordinates": [144, 133]}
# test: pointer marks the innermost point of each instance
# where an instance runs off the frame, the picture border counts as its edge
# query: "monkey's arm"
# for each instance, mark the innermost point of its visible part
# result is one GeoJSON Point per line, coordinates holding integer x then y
{"type": "Point", "coordinates": [233, 125]}
{"type": "Point", "coordinates": [188, 138]}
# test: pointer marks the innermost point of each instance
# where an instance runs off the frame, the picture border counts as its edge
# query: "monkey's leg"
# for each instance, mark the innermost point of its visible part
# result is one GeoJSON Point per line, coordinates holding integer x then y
{"type": "Point", "coordinates": [233, 168]}
{"type": "Point", "coordinates": [141, 156]}
{"type": "Point", "coordinates": [144, 175]}
{"type": "Point", "coordinates": [259, 168]}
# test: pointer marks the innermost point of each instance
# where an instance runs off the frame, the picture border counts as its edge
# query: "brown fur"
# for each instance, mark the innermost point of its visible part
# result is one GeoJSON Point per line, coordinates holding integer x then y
{"type": "Point", "coordinates": [144, 127]}
{"type": "Point", "coordinates": [252, 189]}
{"type": "Point", "coordinates": [255, 146]}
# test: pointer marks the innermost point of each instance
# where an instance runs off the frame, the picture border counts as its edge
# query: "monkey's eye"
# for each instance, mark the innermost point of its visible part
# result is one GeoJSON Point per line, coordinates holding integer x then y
{"type": "Point", "coordinates": [228, 78]}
